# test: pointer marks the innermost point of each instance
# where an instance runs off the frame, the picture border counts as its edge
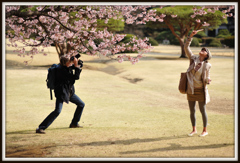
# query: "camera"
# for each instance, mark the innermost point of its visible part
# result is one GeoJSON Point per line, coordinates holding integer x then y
{"type": "Point", "coordinates": [80, 62]}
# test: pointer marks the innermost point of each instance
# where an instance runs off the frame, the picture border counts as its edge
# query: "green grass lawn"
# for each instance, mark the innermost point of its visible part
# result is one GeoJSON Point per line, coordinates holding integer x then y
{"type": "Point", "coordinates": [121, 119]}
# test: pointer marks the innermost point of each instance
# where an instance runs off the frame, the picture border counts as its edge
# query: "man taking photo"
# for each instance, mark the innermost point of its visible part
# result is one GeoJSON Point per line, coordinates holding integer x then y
{"type": "Point", "coordinates": [65, 92]}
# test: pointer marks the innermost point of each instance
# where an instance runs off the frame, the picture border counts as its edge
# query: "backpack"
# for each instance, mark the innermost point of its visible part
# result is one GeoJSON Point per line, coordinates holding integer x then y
{"type": "Point", "coordinates": [51, 77]}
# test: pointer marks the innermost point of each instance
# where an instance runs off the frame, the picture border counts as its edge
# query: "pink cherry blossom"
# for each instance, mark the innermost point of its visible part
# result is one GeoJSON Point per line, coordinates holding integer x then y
{"type": "Point", "coordinates": [209, 10]}
{"type": "Point", "coordinates": [224, 11]}
{"type": "Point", "coordinates": [206, 24]}
{"type": "Point", "coordinates": [120, 60]}
{"type": "Point", "coordinates": [161, 20]}
{"type": "Point", "coordinates": [162, 16]}
{"type": "Point", "coordinates": [204, 12]}
{"type": "Point", "coordinates": [69, 34]}
{"type": "Point", "coordinates": [193, 16]}
{"type": "Point", "coordinates": [39, 8]}
{"type": "Point", "coordinates": [106, 21]}
{"type": "Point", "coordinates": [198, 20]}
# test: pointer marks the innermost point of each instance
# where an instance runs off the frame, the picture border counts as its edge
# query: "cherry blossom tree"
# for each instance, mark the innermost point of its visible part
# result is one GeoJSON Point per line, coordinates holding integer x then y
{"type": "Point", "coordinates": [183, 19]}
{"type": "Point", "coordinates": [73, 29]}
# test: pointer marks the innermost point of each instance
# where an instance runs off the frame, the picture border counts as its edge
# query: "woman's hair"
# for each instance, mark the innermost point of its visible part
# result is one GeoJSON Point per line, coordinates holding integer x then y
{"type": "Point", "coordinates": [206, 57]}
{"type": "Point", "coordinates": [64, 59]}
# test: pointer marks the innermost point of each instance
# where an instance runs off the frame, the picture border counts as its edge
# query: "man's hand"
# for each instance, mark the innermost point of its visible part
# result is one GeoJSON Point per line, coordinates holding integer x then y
{"type": "Point", "coordinates": [80, 62]}
{"type": "Point", "coordinates": [209, 81]}
{"type": "Point", "coordinates": [75, 61]}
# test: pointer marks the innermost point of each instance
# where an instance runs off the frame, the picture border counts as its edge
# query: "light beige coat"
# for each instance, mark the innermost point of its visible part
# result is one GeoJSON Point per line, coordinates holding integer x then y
{"type": "Point", "coordinates": [205, 72]}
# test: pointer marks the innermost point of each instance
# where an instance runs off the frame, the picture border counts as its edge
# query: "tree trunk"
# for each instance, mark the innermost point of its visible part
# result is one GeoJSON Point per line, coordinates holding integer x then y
{"type": "Point", "coordinates": [183, 54]}
{"type": "Point", "coordinates": [180, 38]}
{"type": "Point", "coordinates": [61, 49]}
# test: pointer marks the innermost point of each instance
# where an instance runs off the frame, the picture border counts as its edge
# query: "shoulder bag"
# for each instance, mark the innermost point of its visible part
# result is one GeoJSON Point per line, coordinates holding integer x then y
{"type": "Point", "coordinates": [182, 87]}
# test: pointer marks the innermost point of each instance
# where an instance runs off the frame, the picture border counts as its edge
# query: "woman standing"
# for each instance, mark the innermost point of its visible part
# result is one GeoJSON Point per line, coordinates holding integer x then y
{"type": "Point", "coordinates": [198, 75]}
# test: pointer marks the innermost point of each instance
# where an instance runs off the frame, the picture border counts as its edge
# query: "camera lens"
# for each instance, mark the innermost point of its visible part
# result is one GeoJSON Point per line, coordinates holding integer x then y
{"type": "Point", "coordinates": [77, 56]}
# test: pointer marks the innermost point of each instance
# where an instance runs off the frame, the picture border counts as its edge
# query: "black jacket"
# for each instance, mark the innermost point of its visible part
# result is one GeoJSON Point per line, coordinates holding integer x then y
{"type": "Point", "coordinates": [65, 79]}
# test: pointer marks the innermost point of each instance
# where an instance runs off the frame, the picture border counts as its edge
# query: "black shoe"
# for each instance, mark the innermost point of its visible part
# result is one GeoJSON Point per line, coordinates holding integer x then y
{"type": "Point", "coordinates": [75, 126]}
{"type": "Point", "coordinates": [40, 131]}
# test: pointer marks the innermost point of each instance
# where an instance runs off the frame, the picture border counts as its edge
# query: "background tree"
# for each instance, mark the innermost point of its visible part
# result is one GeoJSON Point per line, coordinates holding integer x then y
{"type": "Point", "coordinates": [183, 19]}
{"type": "Point", "coordinates": [113, 25]}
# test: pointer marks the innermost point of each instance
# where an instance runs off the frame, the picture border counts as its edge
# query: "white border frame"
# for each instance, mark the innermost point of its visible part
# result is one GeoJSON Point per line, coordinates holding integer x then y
{"type": "Point", "coordinates": [119, 159]}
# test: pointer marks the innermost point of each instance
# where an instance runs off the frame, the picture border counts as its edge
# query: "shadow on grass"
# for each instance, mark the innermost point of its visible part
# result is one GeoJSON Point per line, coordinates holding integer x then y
{"type": "Point", "coordinates": [169, 58]}
{"type": "Point", "coordinates": [19, 65]}
{"type": "Point", "coordinates": [43, 150]}
{"type": "Point", "coordinates": [178, 147]}
{"type": "Point", "coordinates": [172, 146]}
{"type": "Point", "coordinates": [31, 131]}
{"type": "Point", "coordinates": [129, 141]}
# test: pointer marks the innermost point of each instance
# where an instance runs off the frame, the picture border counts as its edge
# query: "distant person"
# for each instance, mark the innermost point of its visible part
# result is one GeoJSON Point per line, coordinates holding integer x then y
{"type": "Point", "coordinates": [65, 92]}
{"type": "Point", "coordinates": [198, 75]}
{"type": "Point", "coordinates": [166, 41]}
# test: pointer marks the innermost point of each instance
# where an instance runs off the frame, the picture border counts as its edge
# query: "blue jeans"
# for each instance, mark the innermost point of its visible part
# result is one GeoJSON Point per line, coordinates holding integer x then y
{"type": "Point", "coordinates": [58, 108]}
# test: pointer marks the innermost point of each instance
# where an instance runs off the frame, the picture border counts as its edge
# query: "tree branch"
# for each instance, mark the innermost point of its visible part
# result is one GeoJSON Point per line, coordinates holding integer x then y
{"type": "Point", "coordinates": [171, 28]}
{"type": "Point", "coordinates": [26, 14]}
{"type": "Point", "coordinates": [33, 13]}
{"type": "Point", "coordinates": [57, 48]}
{"type": "Point", "coordinates": [85, 45]}
{"type": "Point", "coordinates": [61, 23]}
